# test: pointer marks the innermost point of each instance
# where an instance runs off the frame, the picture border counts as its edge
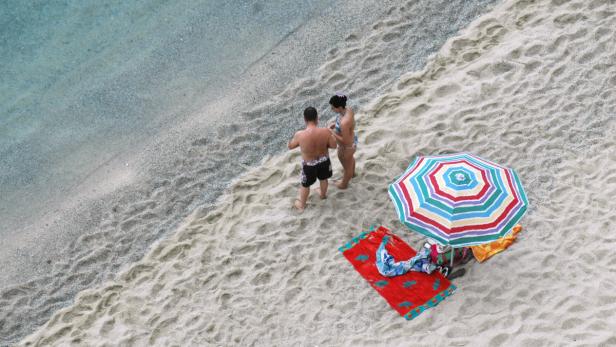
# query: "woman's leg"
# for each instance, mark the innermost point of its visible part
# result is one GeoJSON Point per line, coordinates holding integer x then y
{"type": "Point", "coordinates": [340, 152]}
{"type": "Point", "coordinates": [342, 162]}
{"type": "Point", "coordinates": [348, 166]}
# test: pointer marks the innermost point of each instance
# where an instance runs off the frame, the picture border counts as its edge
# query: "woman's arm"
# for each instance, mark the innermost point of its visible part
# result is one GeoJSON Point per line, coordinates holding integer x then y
{"type": "Point", "coordinates": [337, 136]}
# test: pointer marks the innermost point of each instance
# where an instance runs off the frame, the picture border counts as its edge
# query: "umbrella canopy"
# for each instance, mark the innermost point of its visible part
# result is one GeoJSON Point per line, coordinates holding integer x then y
{"type": "Point", "coordinates": [459, 199]}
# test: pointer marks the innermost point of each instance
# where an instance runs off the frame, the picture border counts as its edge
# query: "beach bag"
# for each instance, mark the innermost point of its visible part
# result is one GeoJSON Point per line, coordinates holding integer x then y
{"type": "Point", "coordinates": [441, 255]}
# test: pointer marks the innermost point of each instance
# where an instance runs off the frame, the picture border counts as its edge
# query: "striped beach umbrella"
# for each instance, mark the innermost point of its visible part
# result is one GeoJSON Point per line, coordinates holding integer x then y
{"type": "Point", "coordinates": [459, 199]}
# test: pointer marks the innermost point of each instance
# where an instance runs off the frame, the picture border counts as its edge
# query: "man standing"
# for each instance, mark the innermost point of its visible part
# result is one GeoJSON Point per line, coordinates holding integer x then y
{"type": "Point", "coordinates": [314, 143]}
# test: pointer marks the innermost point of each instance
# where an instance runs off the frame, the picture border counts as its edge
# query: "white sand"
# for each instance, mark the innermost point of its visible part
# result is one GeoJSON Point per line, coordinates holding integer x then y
{"type": "Point", "coordinates": [529, 85]}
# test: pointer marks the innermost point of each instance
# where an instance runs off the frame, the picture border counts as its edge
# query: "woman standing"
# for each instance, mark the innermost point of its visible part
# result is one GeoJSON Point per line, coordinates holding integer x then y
{"type": "Point", "coordinates": [344, 132]}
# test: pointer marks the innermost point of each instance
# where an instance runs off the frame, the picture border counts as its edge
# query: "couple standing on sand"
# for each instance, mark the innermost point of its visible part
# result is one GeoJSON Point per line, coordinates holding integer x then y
{"type": "Point", "coordinates": [315, 142]}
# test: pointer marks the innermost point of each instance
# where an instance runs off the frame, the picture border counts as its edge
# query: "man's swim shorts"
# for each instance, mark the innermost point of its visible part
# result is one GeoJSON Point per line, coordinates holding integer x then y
{"type": "Point", "coordinates": [312, 169]}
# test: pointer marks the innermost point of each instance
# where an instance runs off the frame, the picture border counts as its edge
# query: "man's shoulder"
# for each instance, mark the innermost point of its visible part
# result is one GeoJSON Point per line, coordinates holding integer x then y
{"type": "Point", "coordinates": [324, 131]}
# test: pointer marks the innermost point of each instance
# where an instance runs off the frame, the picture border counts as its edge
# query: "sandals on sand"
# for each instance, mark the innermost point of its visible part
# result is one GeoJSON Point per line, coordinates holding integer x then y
{"type": "Point", "coordinates": [444, 270]}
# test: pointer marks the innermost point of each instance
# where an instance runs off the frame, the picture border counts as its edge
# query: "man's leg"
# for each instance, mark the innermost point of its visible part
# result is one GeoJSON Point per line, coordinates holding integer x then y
{"type": "Point", "coordinates": [300, 203]}
{"type": "Point", "coordinates": [323, 184]}
{"type": "Point", "coordinates": [324, 173]}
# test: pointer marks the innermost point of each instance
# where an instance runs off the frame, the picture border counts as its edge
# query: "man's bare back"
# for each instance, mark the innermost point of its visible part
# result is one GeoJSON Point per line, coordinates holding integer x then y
{"type": "Point", "coordinates": [315, 142]}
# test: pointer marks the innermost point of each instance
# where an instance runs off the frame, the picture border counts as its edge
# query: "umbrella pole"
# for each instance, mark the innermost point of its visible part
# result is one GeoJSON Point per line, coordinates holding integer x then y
{"type": "Point", "coordinates": [451, 262]}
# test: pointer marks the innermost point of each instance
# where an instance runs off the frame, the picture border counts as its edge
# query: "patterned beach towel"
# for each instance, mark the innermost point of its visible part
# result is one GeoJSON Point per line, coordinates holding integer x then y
{"type": "Point", "coordinates": [409, 294]}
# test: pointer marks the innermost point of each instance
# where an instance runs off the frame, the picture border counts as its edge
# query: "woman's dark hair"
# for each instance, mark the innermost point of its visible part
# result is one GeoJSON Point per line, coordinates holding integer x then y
{"type": "Point", "coordinates": [310, 114]}
{"type": "Point", "coordinates": [338, 100]}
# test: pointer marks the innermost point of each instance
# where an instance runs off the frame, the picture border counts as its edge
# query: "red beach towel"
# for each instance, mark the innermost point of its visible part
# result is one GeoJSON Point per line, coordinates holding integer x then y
{"type": "Point", "coordinates": [409, 294]}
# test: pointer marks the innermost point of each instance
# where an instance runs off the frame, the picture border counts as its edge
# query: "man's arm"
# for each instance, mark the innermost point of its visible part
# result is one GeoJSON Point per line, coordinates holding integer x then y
{"type": "Point", "coordinates": [331, 142]}
{"type": "Point", "coordinates": [294, 142]}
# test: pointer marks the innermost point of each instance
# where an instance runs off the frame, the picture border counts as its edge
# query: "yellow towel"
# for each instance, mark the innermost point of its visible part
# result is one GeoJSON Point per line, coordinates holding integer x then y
{"type": "Point", "coordinates": [483, 252]}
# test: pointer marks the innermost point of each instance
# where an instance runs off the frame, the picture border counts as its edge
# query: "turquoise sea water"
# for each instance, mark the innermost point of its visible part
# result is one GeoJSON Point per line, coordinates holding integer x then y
{"type": "Point", "coordinates": [83, 81]}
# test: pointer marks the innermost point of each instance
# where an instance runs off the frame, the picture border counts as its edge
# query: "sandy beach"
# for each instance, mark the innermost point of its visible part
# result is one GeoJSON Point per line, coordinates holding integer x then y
{"type": "Point", "coordinates": [174, 124]}
{"type": "Point", "coordinates": [530, 85]}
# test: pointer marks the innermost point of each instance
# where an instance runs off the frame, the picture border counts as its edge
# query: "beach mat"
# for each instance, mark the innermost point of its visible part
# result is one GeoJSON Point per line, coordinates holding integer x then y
{"type": "Point", "coordinates": [409, 294]}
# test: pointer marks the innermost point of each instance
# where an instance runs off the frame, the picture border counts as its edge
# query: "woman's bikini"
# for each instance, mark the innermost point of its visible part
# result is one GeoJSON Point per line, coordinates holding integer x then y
{"type": "Point", "coordinates": [339, 131]}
